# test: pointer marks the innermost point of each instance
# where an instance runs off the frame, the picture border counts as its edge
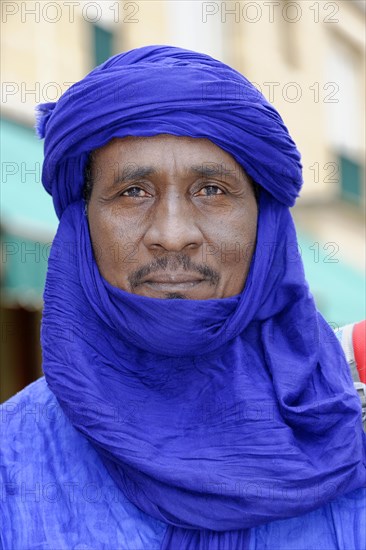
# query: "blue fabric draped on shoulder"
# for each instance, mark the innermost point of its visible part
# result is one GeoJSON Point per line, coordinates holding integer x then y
{"type": "Point", "coordinates": [244, 407]}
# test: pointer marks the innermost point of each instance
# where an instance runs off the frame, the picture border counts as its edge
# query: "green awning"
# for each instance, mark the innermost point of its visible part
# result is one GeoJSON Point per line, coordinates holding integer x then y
{"type": "Point", "coordinates": [28, 220]}
{"type": "Point", "coordinates": [339, 290]}
{"type": "Point", "coordinates": [25, 206]}
{"type": "Point", "coordinates": [23, 270]}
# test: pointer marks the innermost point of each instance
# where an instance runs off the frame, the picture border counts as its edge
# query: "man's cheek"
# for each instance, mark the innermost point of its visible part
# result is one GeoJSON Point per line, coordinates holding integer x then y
{"type": "Point", "coordinates": [123, 255]}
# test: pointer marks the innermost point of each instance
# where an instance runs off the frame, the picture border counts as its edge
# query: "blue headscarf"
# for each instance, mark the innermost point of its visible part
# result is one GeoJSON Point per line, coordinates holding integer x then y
{"type": "Point", "coordinates": [213, 416]}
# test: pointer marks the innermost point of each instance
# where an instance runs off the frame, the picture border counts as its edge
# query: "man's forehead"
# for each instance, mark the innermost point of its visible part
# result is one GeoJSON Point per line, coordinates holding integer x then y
{"type": "Point", "coordinates": [158, 140]}
{"type": "Point", "coordinates": [196, 156]}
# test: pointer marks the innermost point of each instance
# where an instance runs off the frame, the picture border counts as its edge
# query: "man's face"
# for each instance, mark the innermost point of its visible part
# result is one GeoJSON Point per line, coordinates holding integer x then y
{"type": "Point", "coordinates": [171, 217]}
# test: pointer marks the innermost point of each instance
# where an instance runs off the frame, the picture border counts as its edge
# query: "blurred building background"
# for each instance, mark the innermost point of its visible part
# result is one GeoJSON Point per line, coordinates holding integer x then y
{"type": "Point", "coordinates": [306, 57]}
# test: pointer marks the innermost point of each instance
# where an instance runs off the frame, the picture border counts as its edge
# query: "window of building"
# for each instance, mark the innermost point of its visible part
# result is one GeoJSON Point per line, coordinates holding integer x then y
{"type": "Point", "coordinates": [345, 111]}
{"type": "Point", "coordinates": [350, 179]}
{"type": "Point", "coordinates": [103, 44]}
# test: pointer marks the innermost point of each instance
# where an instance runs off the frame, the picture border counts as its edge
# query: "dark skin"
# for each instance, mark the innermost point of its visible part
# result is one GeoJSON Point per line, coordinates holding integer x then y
{"type": "Point", "coordinates": [171, 217]}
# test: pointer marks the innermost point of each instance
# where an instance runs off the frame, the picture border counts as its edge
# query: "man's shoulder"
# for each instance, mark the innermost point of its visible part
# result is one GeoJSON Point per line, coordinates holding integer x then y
{"type": "Point", "coordinates": [55, 491]}
{"type": "Point", "coordinates": [31, 407]}
{"type": "Point", "coordinates": [32, 420]}
{"type": "Point", "coordinates": [36, 390]}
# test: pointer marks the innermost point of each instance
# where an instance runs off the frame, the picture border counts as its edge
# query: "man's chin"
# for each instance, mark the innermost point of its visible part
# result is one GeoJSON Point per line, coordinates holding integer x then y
{"type": "Point", "coordinates": [200, 291]}
{"type": "Point", "coordinates": [175, 296]}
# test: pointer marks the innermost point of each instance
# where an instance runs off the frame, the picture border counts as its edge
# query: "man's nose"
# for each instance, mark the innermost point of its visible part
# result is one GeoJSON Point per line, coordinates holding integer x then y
{"type": "Point", "coordinates": [173, 225]}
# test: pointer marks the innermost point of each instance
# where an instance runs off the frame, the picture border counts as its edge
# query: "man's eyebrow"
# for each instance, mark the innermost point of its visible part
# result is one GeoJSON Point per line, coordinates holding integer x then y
{"type": "Point", "coordinates": [215, 169]}
{"type": "Point", "coordinates": [131, 172]}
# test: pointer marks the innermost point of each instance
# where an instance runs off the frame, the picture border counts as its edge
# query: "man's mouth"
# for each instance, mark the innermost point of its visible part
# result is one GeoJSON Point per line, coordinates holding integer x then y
{"type": "Point", "coordinates": [173, 281]}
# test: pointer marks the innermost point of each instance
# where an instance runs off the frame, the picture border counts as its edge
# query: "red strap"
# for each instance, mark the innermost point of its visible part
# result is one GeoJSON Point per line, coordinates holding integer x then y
{"type": "Point", "coordinates": [359, 348]}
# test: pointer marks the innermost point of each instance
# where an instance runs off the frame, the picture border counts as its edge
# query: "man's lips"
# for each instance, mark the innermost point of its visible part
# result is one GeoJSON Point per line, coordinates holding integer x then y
{"type": "Point", "coordinates": [173, 281]}
{"type": "Point", "coordinates": [173, 278]}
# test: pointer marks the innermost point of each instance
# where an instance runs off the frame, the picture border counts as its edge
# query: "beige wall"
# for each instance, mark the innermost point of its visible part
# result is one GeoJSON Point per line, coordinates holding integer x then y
{"type": "Point", "coordinates": [40, 58]}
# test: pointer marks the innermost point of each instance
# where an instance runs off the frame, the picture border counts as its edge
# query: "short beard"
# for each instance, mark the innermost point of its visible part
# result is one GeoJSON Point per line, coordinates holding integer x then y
{"type": "Point", "coordinates": [175, 296]}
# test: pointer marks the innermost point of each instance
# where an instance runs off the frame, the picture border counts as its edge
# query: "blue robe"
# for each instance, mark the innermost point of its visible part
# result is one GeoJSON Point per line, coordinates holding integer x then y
{"type": "Point", "coordinates": [58, 495]}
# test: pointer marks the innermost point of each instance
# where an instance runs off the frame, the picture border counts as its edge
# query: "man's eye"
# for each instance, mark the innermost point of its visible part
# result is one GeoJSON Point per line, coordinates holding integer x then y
{"type": "Point", "coordinates": [210, 190]}
{"type": "Point", "coordinates": [134, 192]}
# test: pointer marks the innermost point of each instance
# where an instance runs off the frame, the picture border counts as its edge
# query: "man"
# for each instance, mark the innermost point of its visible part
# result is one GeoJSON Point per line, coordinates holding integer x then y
{"type": "Point", "coordinates": [193, 397]}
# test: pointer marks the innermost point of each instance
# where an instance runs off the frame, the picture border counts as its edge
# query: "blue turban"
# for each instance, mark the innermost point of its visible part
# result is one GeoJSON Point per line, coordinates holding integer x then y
{"type": "Point", "coordinates": [157, 90]}
{"type": "Point", "coordinates": [244, 410]}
